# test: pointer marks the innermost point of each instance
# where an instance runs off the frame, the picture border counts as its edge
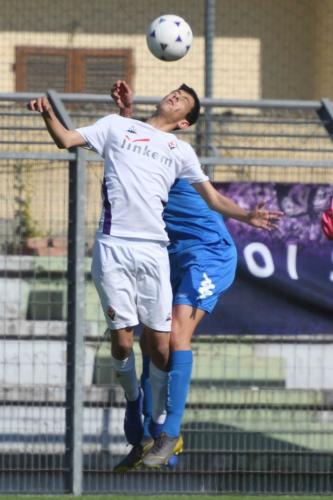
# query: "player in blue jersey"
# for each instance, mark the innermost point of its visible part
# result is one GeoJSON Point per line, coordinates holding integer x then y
{"type": "Point", "coordinates": [203, 262]}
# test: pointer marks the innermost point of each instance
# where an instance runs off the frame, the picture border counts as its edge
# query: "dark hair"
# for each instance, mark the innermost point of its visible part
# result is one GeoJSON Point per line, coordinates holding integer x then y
{"type": "Point", "coordinates": [192, 115]}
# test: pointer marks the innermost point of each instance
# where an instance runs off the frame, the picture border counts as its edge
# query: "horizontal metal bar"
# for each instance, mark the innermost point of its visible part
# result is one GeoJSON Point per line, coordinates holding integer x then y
{"type": "Point", "coordinates": [31, 142]}
{"type": "Point", "coordinates": [211, 102]}
{"type": "Point", "coordinates": [27, 155]}
{"type": "Point", "coordinates": [190, 406]}
{"type": "Point", "coordinates": [208, 160]}
{"type": "Point", "coordinates": [198, 339]}
{"type": "Point", "coordinates": [265, 162]}
{"type": "Point", "coordinates": [263, 120]}
{"type": "Point", "coordinates": [268, 136]}
{"type": "Point", "coordinates": [272, 149]}
{"type": "Point", "coordinates": [17, 128]}
{"type": "Point", "coordinates": [18, 96]}
{"type": "Point", "coordinates": [263, 339]}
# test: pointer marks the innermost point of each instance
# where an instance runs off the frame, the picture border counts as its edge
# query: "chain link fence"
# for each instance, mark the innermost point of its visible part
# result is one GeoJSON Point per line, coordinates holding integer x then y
{"type": "Point", "coordinates": [243, 430]}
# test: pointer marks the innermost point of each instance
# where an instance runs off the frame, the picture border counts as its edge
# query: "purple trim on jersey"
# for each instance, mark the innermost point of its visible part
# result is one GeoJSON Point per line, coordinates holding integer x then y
{"type": "Point", "coordinates": [107, 209]}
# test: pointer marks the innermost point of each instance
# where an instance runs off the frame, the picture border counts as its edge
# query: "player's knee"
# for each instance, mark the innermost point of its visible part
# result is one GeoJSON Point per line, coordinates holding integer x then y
{"type": "Point", "coordinates": [160, 356]}
{"type": "Point", "coordinates": [121, 352]}
{"type": "Point", "coordinates": [177, 343]}
{"type": "Point", "coordinates": [180, 339]}
{"type": "Point", "coordinates": [121, 348]}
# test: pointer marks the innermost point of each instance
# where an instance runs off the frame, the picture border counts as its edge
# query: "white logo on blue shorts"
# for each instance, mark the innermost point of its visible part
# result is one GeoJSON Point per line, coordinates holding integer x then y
{"type": "Point", "coordinates": [206, 287]}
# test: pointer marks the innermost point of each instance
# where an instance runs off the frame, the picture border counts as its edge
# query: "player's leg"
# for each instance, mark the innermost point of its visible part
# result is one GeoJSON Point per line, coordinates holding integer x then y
{"type": "Point", "coordinates": [134, 458]}
{"type": "Point", "coordinates": [154, 304]}
{"type": "Point", "coordinates": [185, 321]}
{"type": "Point", "coordinates": [168, 438]}
{"type": "Point", "coordinates": [154, 413]}
{"type": "Point", "coordinates": [123, 362]}
{"type": "Point", "coordinates": [110, 266]}
{"type": "Point", "coordinates": [146, 386]}
{"type": "Point", "coordinates": [206, 272]}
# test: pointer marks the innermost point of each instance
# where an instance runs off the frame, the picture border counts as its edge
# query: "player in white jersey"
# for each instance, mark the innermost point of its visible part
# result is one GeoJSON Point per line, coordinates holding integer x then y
{"type": "Point", "coordinates": [130, 262]}
{"type": "Point", "coordinates": [199, 244]}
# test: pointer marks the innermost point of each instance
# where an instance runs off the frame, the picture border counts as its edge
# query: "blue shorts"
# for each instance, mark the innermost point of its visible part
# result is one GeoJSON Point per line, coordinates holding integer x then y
{"type": "Point", "coordinates": [201, 273]}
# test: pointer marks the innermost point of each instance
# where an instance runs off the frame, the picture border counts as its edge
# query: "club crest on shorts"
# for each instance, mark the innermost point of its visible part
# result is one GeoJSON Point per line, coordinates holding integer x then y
{"type": "Point", "coordinates": [111, 313]}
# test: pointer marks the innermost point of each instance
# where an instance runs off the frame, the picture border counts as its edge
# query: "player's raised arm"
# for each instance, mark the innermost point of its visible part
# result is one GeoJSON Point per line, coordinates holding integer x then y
{"type": "Point", "coordinates": [122, 95]}
{"type": "Point", "coordinates": [258, 217]}
{"type": "Point", "coordinates": [63, 137]}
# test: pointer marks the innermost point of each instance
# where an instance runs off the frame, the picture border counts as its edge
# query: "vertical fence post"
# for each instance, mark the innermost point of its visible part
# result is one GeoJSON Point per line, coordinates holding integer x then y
{"type": "Point", "coordinates": [325, 113]}
{"type": "Point", "coordinates": [209, 44]}
{"type": "Point", "coordinates": [75, 310]}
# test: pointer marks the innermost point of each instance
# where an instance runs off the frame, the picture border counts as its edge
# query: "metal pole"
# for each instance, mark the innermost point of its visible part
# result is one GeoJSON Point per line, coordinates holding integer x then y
{"type": "Point", "coordinates": [75, 310]}
{"type": "Point", "coordinates": [209, 45]}
{"type": "Point", "coordinates": [325, 113]}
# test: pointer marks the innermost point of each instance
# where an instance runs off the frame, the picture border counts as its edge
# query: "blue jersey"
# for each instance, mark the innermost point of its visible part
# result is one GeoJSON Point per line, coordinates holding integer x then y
{"type": "Point", "coordinates": [190, 221]}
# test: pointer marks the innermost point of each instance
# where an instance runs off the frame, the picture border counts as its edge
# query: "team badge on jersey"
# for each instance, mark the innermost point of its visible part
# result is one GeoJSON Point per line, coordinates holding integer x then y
{"type": "Point", "coordinates": [172, 144]}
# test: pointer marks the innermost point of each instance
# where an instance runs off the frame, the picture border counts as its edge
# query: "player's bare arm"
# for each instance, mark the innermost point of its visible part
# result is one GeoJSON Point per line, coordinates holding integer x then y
{"type": "Point", "coordinates": [258, 217]}
{"type": "Point", "coordinates": [63, 137]}
{"type": "Point", "coordinates": [122, 95]}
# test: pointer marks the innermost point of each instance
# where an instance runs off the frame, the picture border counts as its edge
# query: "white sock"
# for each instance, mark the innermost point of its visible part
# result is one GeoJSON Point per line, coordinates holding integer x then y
{"type": "Point", "coordinates": [158, 382]}
{"type": "Point", "coordinates": [126, 376]}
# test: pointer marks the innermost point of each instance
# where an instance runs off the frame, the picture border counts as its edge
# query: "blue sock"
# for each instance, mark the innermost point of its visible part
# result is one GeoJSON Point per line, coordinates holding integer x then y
{"type": "Point", "coordinates": [147, 395]}
{"type": "Point", "coordinates": [155, 429]}
{"type": "Point", "coordinates": [178, 387]}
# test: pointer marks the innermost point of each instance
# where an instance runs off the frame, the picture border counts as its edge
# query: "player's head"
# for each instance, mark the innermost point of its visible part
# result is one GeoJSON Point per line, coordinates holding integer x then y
{"type": "Point", "coordinates": [181, 107]}
{"type": "Point", "coordinates": [193, 115]}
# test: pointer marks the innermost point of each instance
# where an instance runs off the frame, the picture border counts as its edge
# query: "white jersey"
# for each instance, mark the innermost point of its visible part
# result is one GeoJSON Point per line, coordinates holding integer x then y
{"type": "Point", "coordinates": [141, 163]}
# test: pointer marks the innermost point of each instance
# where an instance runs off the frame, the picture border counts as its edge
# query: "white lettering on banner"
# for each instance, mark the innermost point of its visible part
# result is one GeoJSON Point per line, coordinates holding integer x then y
{"type": "Point", "coordinates": [206, 287]}
{"type": "Point", "coordinates": [264, 271]}
{"type": "Point", "coordinates": [291, 261]}
{"type": "Point", "coordinates": [267, 268]}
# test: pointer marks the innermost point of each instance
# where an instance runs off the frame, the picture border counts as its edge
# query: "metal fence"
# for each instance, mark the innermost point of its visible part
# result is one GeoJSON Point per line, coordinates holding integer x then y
{"type": "Point", "coordinates": [61, 412]}
{"type": "Point", "coordinates": [263, 67]}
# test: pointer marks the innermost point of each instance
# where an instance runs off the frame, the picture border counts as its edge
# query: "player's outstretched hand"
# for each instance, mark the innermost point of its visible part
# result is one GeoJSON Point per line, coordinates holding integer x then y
{"type": "Point", "coordinates": [41, 105]}
{"type": "Point", "coordinates": [264, 219]}
{"type": "Point", "coordinates": [122, 94]}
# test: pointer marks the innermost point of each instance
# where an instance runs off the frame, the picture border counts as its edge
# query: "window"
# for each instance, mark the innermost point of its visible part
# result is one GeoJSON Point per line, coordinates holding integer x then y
{"type": "Point", "coordinates": [71, 70]}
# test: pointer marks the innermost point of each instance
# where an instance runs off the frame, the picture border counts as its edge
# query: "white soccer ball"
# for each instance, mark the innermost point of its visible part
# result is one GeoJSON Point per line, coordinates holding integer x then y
{"type": "Point", "coordinates": [169, 37]}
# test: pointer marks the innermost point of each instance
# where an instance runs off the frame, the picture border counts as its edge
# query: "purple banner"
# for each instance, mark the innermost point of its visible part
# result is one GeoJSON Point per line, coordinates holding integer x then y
{"type": "Point", "coordinates": [284, 282]}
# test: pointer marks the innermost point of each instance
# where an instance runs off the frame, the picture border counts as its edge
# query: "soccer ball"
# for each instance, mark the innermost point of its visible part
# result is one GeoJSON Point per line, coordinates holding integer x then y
{"type": "Point", "coordinates": [169, 37]}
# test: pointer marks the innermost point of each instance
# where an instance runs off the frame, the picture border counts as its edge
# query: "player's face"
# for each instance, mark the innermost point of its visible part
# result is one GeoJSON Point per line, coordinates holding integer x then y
{"type": "Point", "coordinates": [176, 105]}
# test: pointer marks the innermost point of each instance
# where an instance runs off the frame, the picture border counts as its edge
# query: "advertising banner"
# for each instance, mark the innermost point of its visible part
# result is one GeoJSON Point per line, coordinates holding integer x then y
{"type": "Point", "coordinates": [284, 282]}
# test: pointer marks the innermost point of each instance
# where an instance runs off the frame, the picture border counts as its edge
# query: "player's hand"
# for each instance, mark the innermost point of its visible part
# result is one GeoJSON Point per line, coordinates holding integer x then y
{"type": "Point", "coordinates": [122, 95]}
{"type": "Point", "coordinates": [41, 104]}
{"type": "Point", "coordinates": [264, 219]}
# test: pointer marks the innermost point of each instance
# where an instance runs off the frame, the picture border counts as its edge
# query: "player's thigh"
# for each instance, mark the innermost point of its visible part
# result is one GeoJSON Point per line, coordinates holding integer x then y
{"type": "Point", "coordinates": [204, 273]}
{"type": "Point", "coordinates": [154, 293]}
{"type": "Point", "coordinates": [115, 284]}
{"type": "Point", "coordinates": [185, 319]}
{"type": "Point", "coordinates": [157, 346]}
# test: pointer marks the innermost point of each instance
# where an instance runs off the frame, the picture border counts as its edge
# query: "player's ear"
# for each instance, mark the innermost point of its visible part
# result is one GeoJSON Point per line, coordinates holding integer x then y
{"type": "Point", "coordinates": [182, 124]}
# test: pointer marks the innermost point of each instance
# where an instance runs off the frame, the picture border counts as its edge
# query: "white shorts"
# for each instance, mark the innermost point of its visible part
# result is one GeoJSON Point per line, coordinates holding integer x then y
{"type": "Point", "coordinates": [132, 279]}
